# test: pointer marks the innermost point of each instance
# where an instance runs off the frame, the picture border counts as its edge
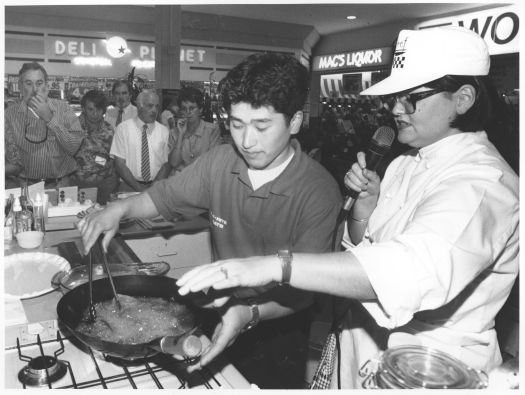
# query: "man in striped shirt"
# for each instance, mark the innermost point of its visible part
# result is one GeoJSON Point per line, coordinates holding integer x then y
{"type": "Point", "coordinates": [45, 132]}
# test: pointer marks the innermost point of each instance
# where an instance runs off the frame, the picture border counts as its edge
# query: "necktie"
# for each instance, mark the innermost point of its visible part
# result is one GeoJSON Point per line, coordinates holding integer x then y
{"type": "Point", "coordinates": [144, 164]}
{"type": "Point", "coordinates": [119, 116]}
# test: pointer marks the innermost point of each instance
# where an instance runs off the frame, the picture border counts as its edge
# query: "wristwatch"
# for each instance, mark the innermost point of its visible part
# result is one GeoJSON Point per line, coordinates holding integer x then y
{"type": "Point", "coordinates": [286, 264]}
{"type": "Point", "coordinates": [255, 316]}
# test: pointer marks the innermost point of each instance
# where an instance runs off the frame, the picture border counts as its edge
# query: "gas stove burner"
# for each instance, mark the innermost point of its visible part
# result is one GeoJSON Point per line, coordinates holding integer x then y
{"type": "Point", "coordinates": [126, 362]}
{"type": "Point", "coordinates": [34, 373]}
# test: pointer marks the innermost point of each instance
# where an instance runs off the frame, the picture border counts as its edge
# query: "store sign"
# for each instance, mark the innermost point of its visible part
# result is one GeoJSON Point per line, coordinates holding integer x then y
{"type": "Point", "coordinates": [70, 48]}
{"type": "Point", "coordinates": [499, 27]}
{"type": "Point", "coordinates": [354, 60]}
{"type": "Point", "coordinates": [192, 55]}
{"type": "Point", "coordinates": [147, 52]}
{"type": "Point", "coordinates": [75, 48]}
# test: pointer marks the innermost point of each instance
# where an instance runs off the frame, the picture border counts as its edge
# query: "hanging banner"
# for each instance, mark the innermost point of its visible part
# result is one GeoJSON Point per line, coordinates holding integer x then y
{"type": "Point", "coordinates": [499, 27]}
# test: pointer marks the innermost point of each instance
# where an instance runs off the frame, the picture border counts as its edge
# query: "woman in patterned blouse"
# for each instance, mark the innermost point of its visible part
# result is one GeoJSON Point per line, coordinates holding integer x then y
{"type": "Point", "coordinates": [94, 163]}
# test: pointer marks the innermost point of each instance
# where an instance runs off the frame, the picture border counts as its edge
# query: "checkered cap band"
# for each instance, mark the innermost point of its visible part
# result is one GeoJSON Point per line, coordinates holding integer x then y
{"type": "Point", "coordinates": [398, 62]}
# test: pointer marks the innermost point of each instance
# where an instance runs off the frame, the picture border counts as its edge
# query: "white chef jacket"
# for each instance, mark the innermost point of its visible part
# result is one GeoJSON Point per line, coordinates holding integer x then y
{"type": "Point", "coordinates": [441, 252]}
{"type": "Point", "coordinates": [127, 144]}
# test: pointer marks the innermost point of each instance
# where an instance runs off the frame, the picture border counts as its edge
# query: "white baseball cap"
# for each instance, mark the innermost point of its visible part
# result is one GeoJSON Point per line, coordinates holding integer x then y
{"type": "Point", "coordinates": [426, 55]}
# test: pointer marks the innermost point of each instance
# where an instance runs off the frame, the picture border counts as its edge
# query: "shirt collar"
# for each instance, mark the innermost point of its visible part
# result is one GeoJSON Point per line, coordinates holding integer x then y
{"type": "Point", "coordinates": [140, 123]}
{"type": "Point", "coordinates": [279, 186]}
{"type": "Point", "coordinates": [125, 109]}
{"type": "Point", "coordinates": [199, 132]}
{"type": "Point", "coordinates": [453, 144]}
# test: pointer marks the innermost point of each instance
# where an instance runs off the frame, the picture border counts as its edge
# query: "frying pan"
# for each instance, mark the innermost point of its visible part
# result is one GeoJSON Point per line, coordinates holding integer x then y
{"type": "Point", "coordinates": [71, 306]}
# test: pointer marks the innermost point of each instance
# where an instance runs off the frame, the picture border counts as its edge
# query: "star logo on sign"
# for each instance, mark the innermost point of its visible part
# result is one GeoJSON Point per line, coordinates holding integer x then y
{"type": "Point", "coordinates": [121, 49]}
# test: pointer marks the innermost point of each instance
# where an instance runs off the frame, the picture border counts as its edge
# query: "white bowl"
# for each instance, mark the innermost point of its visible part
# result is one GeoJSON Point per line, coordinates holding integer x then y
{"type": "Point", "coordinates": [31, 239]}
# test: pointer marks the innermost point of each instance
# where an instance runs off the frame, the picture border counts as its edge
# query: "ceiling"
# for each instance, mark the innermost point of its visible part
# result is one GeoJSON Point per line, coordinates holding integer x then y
{"type": "Point", "coordinates": [331, 18]}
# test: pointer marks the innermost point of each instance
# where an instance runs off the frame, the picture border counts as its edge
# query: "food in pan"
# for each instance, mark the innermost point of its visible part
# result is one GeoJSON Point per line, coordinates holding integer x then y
{"type": "Point", "coordinates": [140, 319]}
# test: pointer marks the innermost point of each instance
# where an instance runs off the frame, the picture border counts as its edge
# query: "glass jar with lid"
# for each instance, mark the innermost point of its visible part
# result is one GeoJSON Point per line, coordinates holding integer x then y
{"type": "Point", "coordinates": [412, 367]}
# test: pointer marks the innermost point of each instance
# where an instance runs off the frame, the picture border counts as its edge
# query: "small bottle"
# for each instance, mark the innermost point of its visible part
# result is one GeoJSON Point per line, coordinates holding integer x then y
{"type": "Point", "coordinates": [17, 217]}
{"type": "Point", "coordinates": [23, 219]}
{"type": "Point", "coordinates": [25, 200]}
{"type": "Point", "coordinates": [186, 347]}
{"type": "Point", "coordinates": [9, 220]}
{"type": "Point", "coordinates": [38, 211]}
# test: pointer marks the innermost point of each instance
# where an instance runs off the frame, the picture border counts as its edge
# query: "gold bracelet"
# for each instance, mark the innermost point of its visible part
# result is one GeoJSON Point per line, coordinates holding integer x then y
{"type": "Point", "coordinates": [359, 220]}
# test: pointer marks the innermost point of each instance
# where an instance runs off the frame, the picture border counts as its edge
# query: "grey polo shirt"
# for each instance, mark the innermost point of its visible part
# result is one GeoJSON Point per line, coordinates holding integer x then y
{"type": "Point", "coordinates": [297, 210]}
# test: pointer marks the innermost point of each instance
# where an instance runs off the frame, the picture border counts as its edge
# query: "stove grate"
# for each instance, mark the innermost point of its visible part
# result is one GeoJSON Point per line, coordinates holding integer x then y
{"type": "Point", "coordinates": [150, 368]}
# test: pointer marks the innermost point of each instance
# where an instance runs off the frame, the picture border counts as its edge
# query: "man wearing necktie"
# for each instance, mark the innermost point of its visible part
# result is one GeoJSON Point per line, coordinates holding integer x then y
{"type": "Point", "coordinates": [141, 146]}
{"type": "Point", "coordinates": [123, 109]}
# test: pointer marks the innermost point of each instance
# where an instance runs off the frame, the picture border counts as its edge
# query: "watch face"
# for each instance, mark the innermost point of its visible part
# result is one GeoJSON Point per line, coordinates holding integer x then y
{"type": "Point", "coordinates": [284, 253]}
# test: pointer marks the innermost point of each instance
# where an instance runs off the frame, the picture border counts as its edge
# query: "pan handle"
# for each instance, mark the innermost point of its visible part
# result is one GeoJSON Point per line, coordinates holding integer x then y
{"type": "Point", "coordinates": [184, 348]}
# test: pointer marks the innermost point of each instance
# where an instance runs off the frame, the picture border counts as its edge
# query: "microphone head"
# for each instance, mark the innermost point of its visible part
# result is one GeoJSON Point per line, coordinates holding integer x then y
{"type": "Point", "coordinates": [384, 136]}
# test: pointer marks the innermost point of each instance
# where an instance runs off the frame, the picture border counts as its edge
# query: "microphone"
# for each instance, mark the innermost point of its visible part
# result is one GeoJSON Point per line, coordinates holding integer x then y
{"type": "Point", "coordinates": [381, 142]}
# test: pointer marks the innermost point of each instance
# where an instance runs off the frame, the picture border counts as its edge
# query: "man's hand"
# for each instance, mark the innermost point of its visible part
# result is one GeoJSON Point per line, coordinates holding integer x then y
{"type": "Point", "coordinates": [40, 106]}
{"type": "Point", "coordinates": [97, 222]}
{"type": "Point", "coordinates": [234, 318]}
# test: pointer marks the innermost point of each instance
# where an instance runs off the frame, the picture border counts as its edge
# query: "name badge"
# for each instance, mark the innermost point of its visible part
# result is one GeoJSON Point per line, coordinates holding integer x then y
{"type": "Point", "coordinates": [100, 160]}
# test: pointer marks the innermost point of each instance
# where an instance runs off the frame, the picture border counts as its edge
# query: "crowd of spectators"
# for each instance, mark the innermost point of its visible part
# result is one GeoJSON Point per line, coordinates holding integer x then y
{"type": "Point", "coordinates": [345, 128]}
{"type": "Point", "coordinates": [80, 147]}
{"type": "Point", "coordinates": [121, 147]}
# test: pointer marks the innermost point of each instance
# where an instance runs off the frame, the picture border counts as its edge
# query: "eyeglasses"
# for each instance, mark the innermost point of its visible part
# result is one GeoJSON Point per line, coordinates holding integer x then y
{"type": "Point", "coordinates": [188, 110]}
{"type": "Point", "coordinates": [408, 100]}
{"type": "Point", "coordinates": [26, 136]}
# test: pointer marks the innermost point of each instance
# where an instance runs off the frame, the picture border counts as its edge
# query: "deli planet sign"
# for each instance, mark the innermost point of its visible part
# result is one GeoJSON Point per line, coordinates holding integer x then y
{"type": "Point", "coordinates": [354, 60]}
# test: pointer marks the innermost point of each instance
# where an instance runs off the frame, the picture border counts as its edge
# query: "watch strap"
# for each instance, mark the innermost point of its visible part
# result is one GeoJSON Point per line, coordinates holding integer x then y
{"type": "Point", "coordinates": [286, 264]}
{"type": "Point", "coordinates": [255, 316]}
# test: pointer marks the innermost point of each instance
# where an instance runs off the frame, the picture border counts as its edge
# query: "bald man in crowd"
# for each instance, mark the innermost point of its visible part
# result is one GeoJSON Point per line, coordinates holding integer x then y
{"type": "Point", "coordinates": [141, 146]}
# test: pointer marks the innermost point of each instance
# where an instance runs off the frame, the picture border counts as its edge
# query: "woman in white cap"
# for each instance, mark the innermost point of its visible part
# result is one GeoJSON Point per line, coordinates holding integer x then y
{"type": "Point", "coordinates": [432, 250]}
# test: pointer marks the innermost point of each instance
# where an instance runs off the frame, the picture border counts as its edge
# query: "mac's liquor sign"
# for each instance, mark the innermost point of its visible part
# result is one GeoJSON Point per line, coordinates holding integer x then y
{"type": "Point", "coordinates": [499, 27]}
{"type": "Point", "coordinates": [357, 60]}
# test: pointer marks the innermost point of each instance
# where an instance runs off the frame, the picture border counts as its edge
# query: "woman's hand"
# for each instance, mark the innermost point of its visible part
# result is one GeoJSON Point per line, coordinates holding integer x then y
{"type": "Point", "coordinates": [230, 273]}
{"type": "Point", "coordinates": [182, 126]}
{"type": "Point", "coordinates": [365, 181]}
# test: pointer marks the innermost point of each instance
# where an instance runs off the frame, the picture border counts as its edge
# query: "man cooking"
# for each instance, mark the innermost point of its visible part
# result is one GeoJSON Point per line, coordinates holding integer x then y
{"type": "Point", "coordinates": [263, 195]}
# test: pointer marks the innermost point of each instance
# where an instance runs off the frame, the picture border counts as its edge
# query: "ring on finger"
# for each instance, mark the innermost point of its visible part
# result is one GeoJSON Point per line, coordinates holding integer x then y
{"type": "Point", "coordinates": [224, 271]}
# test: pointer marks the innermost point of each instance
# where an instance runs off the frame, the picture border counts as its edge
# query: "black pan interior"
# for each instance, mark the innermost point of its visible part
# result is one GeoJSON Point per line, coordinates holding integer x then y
{"type": "Point", "coordinates": [71, 306]}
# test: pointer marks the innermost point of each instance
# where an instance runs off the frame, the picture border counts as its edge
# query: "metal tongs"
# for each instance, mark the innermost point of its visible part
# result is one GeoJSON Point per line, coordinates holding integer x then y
{"type": "Point", "coordinates": [106, 266]}
{"type": "Point", "coordinates": [92, 311]}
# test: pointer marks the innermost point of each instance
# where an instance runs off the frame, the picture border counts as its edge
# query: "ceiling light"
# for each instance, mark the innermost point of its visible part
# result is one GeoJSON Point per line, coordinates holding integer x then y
{"type": "Point", "coordinates": [350, 17]}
